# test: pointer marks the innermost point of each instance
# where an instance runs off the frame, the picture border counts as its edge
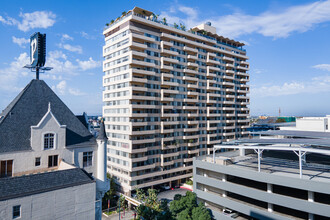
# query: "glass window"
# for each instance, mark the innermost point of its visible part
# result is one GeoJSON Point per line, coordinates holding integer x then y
{"type": "Point", "coordinates": [49, 141]}
{"type": "Point", "coordinates": [37, 161]}
{"type": "Point", "coordinates": [52, 161]}
{"type": "Point", "coordinates": [16, 211]}
{"type": "Point", "coordinates": [6, 168]}
{"type": "Point", "coordinates": [87, 159]}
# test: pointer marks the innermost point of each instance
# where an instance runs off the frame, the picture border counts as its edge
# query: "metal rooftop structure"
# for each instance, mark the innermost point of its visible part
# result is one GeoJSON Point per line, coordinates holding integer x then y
{"type": "Point", "coordinates": [294, 133]}
{"type": "Point", "coordinates": [306, 141]}
{"type": "Point", "coordinates": [299, 149]}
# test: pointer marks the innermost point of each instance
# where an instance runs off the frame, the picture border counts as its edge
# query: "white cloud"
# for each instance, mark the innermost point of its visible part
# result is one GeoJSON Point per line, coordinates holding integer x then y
{"type": "Point", "coordinates": [88, 64]}
{"type": "Point", "coordinates": [64, 70]}
{"type": "Point", "coordinates": [61, 87]}
{"type": "Point", "coordinates": [71, 48]}
{"type": "Point", "coordinates": [87, 36]}
{"type": "Point", "coordinates": [315, 85]}
{"type": "Point", "coordinates": [62, 65]}
{"type": "Point", "coordinates": [281, 24]}
{"type": "Point", "coordinates": [66, 37]}
{"type": "Point", "coordinates": [76, 92]}
{"type": "Point", "coordinates": [10, 75]}
{"type": "Point", "coordinates": [37, 19]}
{"type": "Point", "coordinates": [20, 41]}
{"type": "Point", "coordinates": [325, 67]}
{"type": "Point", "coordinates": [59, 61]}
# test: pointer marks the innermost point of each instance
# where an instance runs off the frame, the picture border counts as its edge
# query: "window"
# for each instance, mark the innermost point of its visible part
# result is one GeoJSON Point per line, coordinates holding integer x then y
{"type": "Point", "coordinates": [16, 211]}
{"type": "Point", "coordinates": [6, 168]}
{"type": "Point", "coordinates": [37, 161]}
{"type": "Point", "coordinates": [88, 159]}
{"type": "Point", "coordinates": [52, 160]}
{"type": "Point", "coordinates": [49, 141]}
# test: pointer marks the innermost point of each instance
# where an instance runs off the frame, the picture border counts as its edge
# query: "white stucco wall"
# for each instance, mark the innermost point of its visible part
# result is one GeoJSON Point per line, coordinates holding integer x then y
{"type": "Point", "coordinates": [76, 202]}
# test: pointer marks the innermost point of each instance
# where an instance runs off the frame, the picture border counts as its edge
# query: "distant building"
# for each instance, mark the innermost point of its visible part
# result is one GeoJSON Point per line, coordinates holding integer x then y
{"type": "Point", "coordinates": [320, 124]}
{"type": "Point", "coordinates": [169, 95]}
{"type": "Point", "coordinates": [51, 165]}
{"type": "Point", "coordinates": [282, 175]}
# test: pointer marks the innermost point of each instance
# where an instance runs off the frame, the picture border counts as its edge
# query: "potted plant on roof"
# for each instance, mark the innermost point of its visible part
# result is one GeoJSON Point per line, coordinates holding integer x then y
{"type": "Point", "coordinates": [165, 21]}
{"type": "Point", "coordinates": [183, 27]}
{"type": "Point", "coordinates": [175, 25]}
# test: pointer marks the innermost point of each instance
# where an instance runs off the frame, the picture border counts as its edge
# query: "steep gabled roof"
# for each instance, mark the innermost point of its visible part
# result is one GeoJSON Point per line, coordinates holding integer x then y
{"type": "Point", "coordinates": [27, 109]}
{"type": "Point", "coordinates": [15, 187]}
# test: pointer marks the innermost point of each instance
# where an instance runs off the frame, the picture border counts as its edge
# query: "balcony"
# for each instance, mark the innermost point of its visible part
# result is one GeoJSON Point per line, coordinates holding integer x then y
{"type": "Point", "coordinates": [242, 74]}
{"type": "Point", "coordinates": [189, 49]}
{"type": "Point", "coordinates": [191, 93]}
{"type": "Point", "coordinates": [230, 72]}
{"type": "Point", "coordinates": [243, 68]}
{"type": "Point", "coordinates": [170, 60]}
{"type": "Point", "coordinates": [142, 37]}
{"type": "Point", "coordinates": [139, 54]}
{"type": "Point", "coordinates": [191, 64]}
{"type": "Point", "coordinates": [166, 43]}
{"type": "Point", "coordinates": [196, 151]}
{"type": "Point", "coordinates": [169, 52]}
{"type": "Point", "coordinates": [189, 78]}
{"type": "Point", "coordinates": [191, 100]}
{"type": "Point", "coordinates": [228, 58]}
{"type": "Point", "coordinates": [137, 45]}
{"type": "Point", "coordinates": [210, 61]}
{"type": "Point", "coordinates": [165, 67]}
{"type": "Point", "coordinates": [190, 71]}
{"type": "Point", "coordinates": [192, 57]}
{"type": "Point", "coordinates": [212, 68]}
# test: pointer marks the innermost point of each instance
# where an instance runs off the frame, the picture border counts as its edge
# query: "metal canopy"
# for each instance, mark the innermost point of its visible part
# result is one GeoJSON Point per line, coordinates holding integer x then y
{"type": "Point", "coordinates": [300, 151]}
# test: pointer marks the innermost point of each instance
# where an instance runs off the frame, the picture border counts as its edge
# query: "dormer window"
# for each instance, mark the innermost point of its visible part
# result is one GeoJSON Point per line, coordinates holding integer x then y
{"type": "Point", "coordinates": [49, 141]}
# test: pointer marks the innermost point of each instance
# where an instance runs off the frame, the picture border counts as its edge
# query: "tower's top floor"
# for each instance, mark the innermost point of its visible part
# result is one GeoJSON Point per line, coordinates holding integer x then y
{"type": "Point", "coordinates": [201, 32]}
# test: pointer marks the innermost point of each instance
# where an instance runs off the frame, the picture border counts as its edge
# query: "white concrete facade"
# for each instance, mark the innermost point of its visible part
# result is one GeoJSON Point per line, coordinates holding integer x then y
{"type": "Point", "coordinates": [169, 95]}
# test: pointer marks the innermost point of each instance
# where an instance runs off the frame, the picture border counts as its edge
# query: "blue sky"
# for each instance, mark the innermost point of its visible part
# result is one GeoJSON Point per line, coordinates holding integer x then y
{"type": "Point", "coordinates": [287, 42]}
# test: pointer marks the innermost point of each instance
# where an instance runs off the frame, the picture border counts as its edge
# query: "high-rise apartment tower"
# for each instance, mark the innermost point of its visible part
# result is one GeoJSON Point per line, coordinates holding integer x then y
{"type": "Point", "coordinates": [169, 95]}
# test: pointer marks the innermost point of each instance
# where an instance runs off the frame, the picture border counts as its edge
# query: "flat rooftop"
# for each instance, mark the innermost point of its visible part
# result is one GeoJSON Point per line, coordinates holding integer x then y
{"type": "Point", "coordinates": [294, 133]}
{"type": "Point", "coordinates": [271, 165]}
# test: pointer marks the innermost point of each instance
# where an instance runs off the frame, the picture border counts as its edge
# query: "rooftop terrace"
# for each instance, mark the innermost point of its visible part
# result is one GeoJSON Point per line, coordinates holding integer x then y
{"type": "Point", "coordinates": [148, 15]}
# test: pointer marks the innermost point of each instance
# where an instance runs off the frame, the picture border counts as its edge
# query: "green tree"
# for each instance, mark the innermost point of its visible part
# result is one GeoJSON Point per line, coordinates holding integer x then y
{"type": "Point", "coordinates": [111, 194]}
{"type": "Point", "coordinates": [280, 120]}
{"type": "Point", "coordinates": [186, 208]}
{"type": "Point", "coordinates": [200, 213]}
{"type": "Point", "coordinates": [151, 208]}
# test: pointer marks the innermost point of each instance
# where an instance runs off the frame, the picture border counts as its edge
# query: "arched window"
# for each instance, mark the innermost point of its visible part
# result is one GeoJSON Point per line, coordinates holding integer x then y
{"type": "Point", "coordinates": [49, 141]}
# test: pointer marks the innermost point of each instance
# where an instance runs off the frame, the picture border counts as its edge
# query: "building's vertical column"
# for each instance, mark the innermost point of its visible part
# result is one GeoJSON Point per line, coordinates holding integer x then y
{"type": "Point", "coordinates": [224, 179]}
{"type": "Point", "coordinates": [310, 199]}
{"type": "Point", "coordinates": [270, 190]}
{"type": "Point", "coordinates": [242, 152]}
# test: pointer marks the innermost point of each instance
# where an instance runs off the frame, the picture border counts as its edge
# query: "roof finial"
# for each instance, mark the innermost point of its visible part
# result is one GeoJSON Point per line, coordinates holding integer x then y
{"type": "Point", "coordinates": [49, 109]}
